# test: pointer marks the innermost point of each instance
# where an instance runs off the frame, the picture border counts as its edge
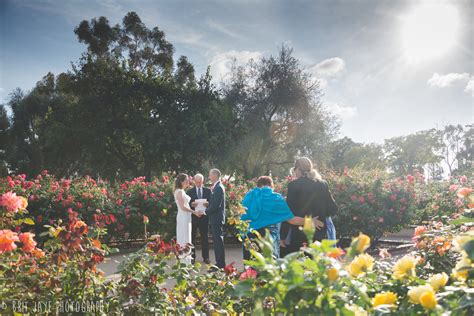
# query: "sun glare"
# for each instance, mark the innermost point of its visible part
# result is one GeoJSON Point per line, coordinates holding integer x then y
{"type": "Point", "coordinates": [429, 31]}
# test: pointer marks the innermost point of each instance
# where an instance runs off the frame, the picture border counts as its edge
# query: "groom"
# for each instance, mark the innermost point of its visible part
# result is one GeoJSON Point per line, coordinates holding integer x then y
{"type": "Point", "coordinates": [216, 213]}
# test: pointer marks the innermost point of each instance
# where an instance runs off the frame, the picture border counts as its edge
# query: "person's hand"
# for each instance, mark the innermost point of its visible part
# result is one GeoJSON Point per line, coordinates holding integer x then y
{"type": "Point", "coordinates": [206, 204]}
{"type": "Point", "coordinates": [282, 243]}
{"type": "Point", "coordinates": [317, 223]}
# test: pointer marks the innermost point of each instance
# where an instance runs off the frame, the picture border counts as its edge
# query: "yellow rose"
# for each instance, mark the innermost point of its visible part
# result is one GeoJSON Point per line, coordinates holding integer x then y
{"type": "Point", "coordinates": [24, 203]}
{"type": "Point", "coordinates": [404, 267]}
{"type": "Point", "coordinates": [387, 298]}
{"type": "Point", "coordinates": [360, 265]}
{"type": "Point", "coordinates": [464, 264]}
{"type": "Point", "coordinates": [428, 300]}
{"type": "Point", "coordinates": [461, 240]}
{"type": "Point", "coordinates": [439, 280]}
{"type": "Point", "coordinates": [308, 224]}
{"type": "Point", "coordinates": [415, 293]}
{"type": "Point", "coordinates": [361, 243]}
{"type": "Point", "coordinates": [332, 274]}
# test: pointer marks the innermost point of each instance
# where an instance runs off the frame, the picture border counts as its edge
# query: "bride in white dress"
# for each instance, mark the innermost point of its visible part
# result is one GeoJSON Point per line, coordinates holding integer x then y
{"type": "Point", "coordinates": [183, 218]}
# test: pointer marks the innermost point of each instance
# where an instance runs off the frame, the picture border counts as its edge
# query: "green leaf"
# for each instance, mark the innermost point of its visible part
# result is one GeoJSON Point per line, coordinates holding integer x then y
{"type": "Point", "coordinates": [28, 221]}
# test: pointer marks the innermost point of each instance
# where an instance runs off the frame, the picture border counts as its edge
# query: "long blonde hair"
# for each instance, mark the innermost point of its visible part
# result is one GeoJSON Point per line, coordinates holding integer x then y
{"type": "Point", "coordinates": [306, 167]}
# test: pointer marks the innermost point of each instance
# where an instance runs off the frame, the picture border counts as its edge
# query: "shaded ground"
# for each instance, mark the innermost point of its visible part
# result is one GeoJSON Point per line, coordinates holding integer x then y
{"type": "Point", "coordinates": [396, 243]}
{"type": "Point", "coordinates": [233, 253]}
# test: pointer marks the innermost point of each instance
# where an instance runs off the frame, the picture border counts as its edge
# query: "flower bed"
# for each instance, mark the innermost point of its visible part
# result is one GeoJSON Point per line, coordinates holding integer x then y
{"type": "Point", "coordinates": [370, 201]}
{"type": "Point", "coordinates": [320, 279]}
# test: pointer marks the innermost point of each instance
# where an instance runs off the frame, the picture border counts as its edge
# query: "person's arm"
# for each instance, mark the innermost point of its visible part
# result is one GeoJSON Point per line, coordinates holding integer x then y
{"type": "Point", "coordinates": [181, 204]}
{"type": "Point", "coordinates": [291, 198]}
{"type": "Point", "coordinates": [299, 221]}
{"type": "Point", "coordinates": [216, 200]}
{"type": "Point", "coordinates": [193, 198]}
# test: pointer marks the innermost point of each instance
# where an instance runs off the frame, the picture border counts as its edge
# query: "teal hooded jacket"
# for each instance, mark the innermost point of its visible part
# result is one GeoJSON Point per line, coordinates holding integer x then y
{"type": "Point", "coordinates": [265, 207]}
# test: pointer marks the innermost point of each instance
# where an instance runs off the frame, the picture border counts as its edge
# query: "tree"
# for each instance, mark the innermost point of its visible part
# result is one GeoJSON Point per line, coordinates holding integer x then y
{"type": "Point", "coordinates": [465, 156]}
{"type": "Point", "coordinates": [278, 105]}
{"type": "Point", "coordinates": [124, 109]}
{"type": "Point", "coordinates": [347, 153]}
{"type": "Point", "coordinates": [415, 151]}
{"type": "Point", "coordinates": [4, 140]}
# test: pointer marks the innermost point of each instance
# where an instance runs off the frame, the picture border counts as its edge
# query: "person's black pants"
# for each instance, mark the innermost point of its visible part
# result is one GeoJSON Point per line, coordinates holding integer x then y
{"type": "Point", "coordinates": [298, 239]}
{"type": "Point", "coordinates": [201, 223]}
{"type": "Point", "coordinates": [218, 239]}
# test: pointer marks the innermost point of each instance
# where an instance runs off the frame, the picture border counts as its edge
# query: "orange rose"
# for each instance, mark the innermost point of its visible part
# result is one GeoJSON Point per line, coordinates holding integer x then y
{"type": "Point", "coordinates": [441, 250]}
{"type": "Point", "coordinates": [80, 225]}
{"type": "Point", "coordinates": [464, 192]}
{"type": "Point", "coordinates": [7, 240]}
{"type": "Point", "coordinates": [420, 230]}
{"type": "Point", "coordinates": [37, 253]}
{"type": "Point", "coordinates": [335, 253]}
{"type": "Point", "coordinates": [28, 242]}
{"type": "Point", "coordinates": [24, 203]}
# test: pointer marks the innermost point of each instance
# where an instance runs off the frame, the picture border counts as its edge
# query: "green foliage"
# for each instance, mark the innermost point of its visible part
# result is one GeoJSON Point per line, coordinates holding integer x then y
{"type": "Point", "coordinates": [278, 105]}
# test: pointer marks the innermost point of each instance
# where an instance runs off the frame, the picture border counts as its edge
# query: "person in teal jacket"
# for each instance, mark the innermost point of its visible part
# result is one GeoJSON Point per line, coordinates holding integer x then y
{"type": "Point", "coordinates": [266, 210]}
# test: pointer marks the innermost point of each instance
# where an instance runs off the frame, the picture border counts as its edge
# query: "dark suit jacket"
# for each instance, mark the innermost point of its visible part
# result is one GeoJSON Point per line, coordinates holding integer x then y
{"type": "Point", "coordinates": [206, 194]}
{"type": "Point", "coordinates": [216, 208]}
{"type": "Point", "coordinates": [309, 197]}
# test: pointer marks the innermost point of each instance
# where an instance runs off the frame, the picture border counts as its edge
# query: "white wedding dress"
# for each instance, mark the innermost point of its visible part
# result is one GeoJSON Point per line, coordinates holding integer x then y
{"type": "Point", "coordinates": [183, 224]}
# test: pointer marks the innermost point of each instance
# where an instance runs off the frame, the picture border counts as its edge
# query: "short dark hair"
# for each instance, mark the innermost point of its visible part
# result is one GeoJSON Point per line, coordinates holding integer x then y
{"type": "Point", "coordinates": [265, 181]}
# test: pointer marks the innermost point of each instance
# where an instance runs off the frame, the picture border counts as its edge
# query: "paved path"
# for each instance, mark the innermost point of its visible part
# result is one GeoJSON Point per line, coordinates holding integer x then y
{"type": "Point", "coordinates": [233, 254]}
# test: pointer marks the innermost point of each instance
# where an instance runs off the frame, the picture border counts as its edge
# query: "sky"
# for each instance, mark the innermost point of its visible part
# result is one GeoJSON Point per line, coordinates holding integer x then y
{"type": "Point", "coordinates": [387, 68]}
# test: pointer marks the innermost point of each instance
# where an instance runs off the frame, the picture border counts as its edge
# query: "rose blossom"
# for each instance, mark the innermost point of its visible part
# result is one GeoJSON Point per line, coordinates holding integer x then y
{"type": "Point", "coordinates": [7, 240]}
{"type": "Point", "coordinates": [12, 202]}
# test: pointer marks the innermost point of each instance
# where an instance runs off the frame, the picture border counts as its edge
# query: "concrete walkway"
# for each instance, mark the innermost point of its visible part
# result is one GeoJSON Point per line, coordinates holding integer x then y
{"type": "Point", "coordinates": [233, 254]}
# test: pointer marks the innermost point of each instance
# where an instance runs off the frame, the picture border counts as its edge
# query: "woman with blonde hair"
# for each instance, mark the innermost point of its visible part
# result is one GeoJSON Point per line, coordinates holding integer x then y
{"type": "Point", "coordinates": [308, 195]}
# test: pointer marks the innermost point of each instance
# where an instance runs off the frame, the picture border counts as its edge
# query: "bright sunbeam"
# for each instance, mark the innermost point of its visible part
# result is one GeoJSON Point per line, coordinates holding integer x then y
{"type": "Point", "coordinates": [429, 31]}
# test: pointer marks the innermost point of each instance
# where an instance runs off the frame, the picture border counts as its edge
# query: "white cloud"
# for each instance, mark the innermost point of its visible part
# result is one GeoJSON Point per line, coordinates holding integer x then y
{"type": "Point", "coordinates": [452, 79]}
{"type": "Point", "coordinates": [328, 67]}
{"type": "Point", "coordinates": [448, 80]}
{"type": "Point", "coordinates": [342, 111]}
{"type": "Point", "coordinates": [217, 26]}
{"type": "Point", "coordinates": [470, 87]}
{"type": "Point", "coordinates": [221, 63]}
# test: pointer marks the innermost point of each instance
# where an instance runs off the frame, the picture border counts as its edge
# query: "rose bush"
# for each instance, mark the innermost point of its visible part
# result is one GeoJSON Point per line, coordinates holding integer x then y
{"type": "Point", "coordinates": [319, 279]}
{"type": "Point", "coordinates": [370, 200]}
{"type": "Point", "coordinates": [62, 270]}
